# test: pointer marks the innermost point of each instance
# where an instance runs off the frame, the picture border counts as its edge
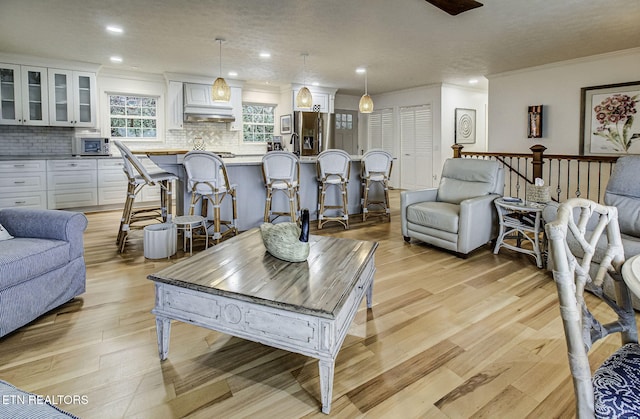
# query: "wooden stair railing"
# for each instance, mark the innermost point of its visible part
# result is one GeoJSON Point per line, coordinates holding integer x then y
{"type": "Point", "coordinates": [568, 176]}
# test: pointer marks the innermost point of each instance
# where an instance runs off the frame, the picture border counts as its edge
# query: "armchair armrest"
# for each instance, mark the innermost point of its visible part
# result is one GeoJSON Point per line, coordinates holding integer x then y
{"type": "Point", "coordinates": [411, 197]}
{"type": "Point", "coordinates": [419, 195]}
{"type": "Point", "coordinates": [478, 222]}
{"type": "Point", "coordinates": [46, 224]}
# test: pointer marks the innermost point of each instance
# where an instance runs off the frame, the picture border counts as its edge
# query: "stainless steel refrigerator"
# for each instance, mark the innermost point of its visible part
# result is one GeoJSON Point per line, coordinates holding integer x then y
{"type": "Point", "coordinates": [312, 132]}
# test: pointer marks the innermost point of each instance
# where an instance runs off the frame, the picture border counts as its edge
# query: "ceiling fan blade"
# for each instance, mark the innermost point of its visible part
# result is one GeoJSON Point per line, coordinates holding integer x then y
{"type": "Point", "coordinates": [454, 7]}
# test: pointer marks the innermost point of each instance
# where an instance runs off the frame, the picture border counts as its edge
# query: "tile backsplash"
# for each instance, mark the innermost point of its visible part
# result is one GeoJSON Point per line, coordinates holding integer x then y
{"type": "Point", "coordinates": [21, 140]}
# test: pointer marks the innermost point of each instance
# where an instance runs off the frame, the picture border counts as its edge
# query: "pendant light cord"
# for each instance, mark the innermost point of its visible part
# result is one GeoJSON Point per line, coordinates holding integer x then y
{"type": "Point", "coordinates": [220, 56]}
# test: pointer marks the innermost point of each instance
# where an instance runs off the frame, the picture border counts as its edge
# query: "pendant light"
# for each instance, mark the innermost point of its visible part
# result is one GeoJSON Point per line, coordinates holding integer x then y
{"type": "Point", "coordinates": [304, 100]}
{"type": "Point", "coordinates": [220, 92]}
{"type": "Point", "coordinates": [366, 103]}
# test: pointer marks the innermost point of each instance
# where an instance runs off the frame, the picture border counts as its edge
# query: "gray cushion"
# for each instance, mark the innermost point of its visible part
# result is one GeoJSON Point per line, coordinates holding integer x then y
{"type": "Point", "coordinates": [438, 215]}
{"type": "Point", "coordinates": [628, 212]}
{"type": "Point", "coordinates": [623, 192]}
{"type": "Point", "coordinates": [467, 178]}
{"type": "Point", "coordinates": [24, 258]}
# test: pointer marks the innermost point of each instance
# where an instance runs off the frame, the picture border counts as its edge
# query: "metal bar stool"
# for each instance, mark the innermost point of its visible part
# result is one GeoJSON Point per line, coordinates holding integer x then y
{"type": "Point", "coordinates": [334, 168]}
{"type": "Point", "coordinates": [281, 172]}
{"type": "Point", "coordinates": [139, 177]}
{"type": "Point", "coordinates": [209, 184]}
{"type": "Point", "coordinates": [376, 169]}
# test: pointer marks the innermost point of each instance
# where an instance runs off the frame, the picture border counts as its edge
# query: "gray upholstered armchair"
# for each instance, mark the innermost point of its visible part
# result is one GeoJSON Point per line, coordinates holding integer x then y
{"type": "Point", "coordinates": [459, 215]}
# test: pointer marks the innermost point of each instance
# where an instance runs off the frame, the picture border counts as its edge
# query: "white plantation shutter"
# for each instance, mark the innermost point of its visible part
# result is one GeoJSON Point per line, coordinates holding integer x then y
{"type": "Point", "coordinates": [380, 129]}
{"type": "Point", "coordinates": [416, 146]}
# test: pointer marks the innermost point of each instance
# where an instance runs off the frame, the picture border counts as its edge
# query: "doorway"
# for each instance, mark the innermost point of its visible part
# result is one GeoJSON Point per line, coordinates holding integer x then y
{"type": "Point", "coordinates": [346, 131]}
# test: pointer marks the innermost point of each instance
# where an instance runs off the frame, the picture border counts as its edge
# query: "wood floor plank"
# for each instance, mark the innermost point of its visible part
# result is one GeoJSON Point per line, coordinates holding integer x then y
{"type": "Point", "coordinates": [446, 337]}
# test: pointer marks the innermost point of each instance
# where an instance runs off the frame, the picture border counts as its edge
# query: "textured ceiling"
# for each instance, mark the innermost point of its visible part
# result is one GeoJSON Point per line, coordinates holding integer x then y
{"type": "Point", "coordinates": [403, 43]}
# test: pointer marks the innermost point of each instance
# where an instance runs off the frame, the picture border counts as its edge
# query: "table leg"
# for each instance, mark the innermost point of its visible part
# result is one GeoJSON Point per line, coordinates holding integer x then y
{"type": "Point", "coordinates": [326, 383]}
{"type": "Point", "coordinates": [163, 329]}
{"type": "Point", "coordinates": [370, 295]}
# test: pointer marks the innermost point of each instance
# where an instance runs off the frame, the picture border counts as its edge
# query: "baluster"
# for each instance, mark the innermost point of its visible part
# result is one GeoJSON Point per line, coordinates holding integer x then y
{"type": "Point", "coordinates": [558, 189]}
{"type": "Point", "coordinates": [578, 182]}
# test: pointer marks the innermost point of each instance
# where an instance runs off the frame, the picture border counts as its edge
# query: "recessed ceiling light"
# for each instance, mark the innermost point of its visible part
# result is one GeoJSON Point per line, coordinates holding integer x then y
{"type": "Point", "coordinates": [473, 81]}
{"type": "Point", "coordinates": [114, 29]}
{"type": "Point", "coordinates": [115, 59]}
{"type": "Point", "coordinates": [265, 55]}
{"type": "Point", "coordinates": [232, 73]}
{"type": "Point", "coordinates": [315, 83]}
{"type": "Point", "coordinates": [361, 70]}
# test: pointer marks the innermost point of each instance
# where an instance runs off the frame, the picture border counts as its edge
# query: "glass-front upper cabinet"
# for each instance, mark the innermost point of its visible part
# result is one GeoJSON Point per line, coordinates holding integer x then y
{"type": "Point", "coordinates": [73, 98]}
{"type": "Point", "coordinates": [35, 105]}
{"type": "Point", "coordinates": [24, 95]}
{"type": "Point", "coordinates": [10, 94]}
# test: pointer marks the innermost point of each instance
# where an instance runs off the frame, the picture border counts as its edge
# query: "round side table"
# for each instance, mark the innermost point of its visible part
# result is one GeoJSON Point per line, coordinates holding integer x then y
{"type": "Point", "coordinates": [631, 274]}
{"type": "Point", "coordinates": [187, 224]}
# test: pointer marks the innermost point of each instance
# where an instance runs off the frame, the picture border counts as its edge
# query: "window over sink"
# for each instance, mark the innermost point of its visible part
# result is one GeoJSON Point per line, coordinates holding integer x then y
{"type": "Point", "coordinates": [132, 116]}
{"type": "Point", "coordinates": [257, 122]}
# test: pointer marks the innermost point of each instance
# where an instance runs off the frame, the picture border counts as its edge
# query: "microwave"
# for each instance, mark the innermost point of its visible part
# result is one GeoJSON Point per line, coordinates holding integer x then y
{"type": "Point", "coordinates": [90, 146]}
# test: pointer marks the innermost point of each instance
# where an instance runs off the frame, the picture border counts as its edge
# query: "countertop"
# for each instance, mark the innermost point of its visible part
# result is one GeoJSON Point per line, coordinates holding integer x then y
{"type": "Point", "coordinates": [238, 159]}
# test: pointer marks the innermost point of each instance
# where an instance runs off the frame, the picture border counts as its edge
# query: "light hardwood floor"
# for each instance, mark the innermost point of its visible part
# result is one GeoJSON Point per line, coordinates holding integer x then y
{"type": "Point", "coordinates": [446, 338]}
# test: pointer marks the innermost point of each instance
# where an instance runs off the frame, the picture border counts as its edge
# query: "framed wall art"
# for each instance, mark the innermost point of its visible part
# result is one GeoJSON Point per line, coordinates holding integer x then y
{"type": "Point", "coordinates": [609, 123]}
{"type": "Point", "coordinates": [285, 124]}
{"type": "Point", "coordinates": [465, 126]}
{"type": "Point", "coordinates": [534, 121]}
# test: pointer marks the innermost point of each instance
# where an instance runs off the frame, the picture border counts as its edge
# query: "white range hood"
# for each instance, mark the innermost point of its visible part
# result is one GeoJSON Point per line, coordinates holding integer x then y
{"type": "Point", "coordinates": [199, 107]}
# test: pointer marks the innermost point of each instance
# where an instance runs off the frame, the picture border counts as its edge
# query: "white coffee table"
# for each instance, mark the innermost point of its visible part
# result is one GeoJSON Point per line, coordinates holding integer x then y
{"type": "Point", "coordinates": [237, 288]}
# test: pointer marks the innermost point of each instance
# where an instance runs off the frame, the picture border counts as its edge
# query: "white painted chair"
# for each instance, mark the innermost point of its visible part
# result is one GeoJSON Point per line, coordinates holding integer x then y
{"type": "Point", "coordinates": [139, 177]}
{"type": "Point", "coordinates": [614, 389]}
{"type": "Point", "coordinates": [376, 170]}
{"type": "Point", "coordinates": [208, 182]}
{"type": "Point", "coordinates": [334, 168]}
{"type": "Point", "coordinates": [281, 173]}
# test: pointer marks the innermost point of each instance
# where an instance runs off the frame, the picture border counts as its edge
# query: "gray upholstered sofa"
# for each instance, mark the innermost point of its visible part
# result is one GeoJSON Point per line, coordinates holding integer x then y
{"type": "Point", "coordinates": [622, 192]}
{"type": "Point", "coordinates": [42, 267]}
{"type": "Point", "coordinates": [460, 214]}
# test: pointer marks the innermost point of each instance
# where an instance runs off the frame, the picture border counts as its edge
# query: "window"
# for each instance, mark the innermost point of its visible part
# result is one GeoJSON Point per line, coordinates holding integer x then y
{"type": "Point", "coordinates": [257, 123]}
{"type": "Point", "coordinates": [133, 116]}
{"type": "Point", "coordinates": [344, 121]}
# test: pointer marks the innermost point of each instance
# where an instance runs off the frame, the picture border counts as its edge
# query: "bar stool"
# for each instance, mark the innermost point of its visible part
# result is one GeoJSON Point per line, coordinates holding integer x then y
{"type": "Point", "coordinates": [138, 178]}
{"type": "Point", "coordinates": [334, 167]}
{"type": "Point", "coordinates": [188, 224]}
{"type": "Point", "coordinates": [208, 182]}
{"type": "Point", "coordinates": [376, 169]}
{"type": "Point", "coordinates": [281, 172]}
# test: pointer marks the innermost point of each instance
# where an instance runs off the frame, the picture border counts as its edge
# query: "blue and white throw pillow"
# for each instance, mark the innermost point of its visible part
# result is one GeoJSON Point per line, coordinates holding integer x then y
{"type": "Point", "coordinates": [4, 234]}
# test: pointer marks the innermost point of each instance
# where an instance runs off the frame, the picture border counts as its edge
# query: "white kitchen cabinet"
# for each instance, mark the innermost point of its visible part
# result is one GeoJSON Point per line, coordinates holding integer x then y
{"type": "Point", "coordinates": [72, 183]}
{"type": "Point", "coordinates": [72, 97]}
{"type": "Point", "coordinates": [236, 104]}
{"type": "Point", "coordinates": [149, 193]}
{"type": "Point", "coordinates": [23, 95]}
{"type": "Point", "coordinates": [23, 183]}
{"type": "Point", "coordinates": [112, 182]}
{"type": "Point", "coordinates": [175, 105]}
{"type": "Point", "coordinates": [322, 101]}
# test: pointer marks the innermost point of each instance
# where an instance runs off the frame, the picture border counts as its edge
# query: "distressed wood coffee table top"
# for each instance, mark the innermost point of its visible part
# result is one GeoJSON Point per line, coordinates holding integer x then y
{"type": "Point", "coordinates": [242, 269]}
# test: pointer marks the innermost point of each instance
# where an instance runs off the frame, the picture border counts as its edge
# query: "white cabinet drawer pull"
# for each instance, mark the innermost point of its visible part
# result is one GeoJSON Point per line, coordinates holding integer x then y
{"type": "Point", "coordinates": [18, 165]}
{"type": "Point", "coordinates": [20, 202]}
{"type": "Point", "coordinates": [17, 182]}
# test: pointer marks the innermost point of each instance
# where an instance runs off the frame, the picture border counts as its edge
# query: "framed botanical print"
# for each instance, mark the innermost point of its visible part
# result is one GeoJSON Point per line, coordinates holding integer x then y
{"type": "Point", "coordinates": [609, 125]}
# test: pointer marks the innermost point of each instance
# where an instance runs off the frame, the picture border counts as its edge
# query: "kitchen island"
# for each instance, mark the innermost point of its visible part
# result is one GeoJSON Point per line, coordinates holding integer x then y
{"type": "Point", "coordinates": [246, 173]}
